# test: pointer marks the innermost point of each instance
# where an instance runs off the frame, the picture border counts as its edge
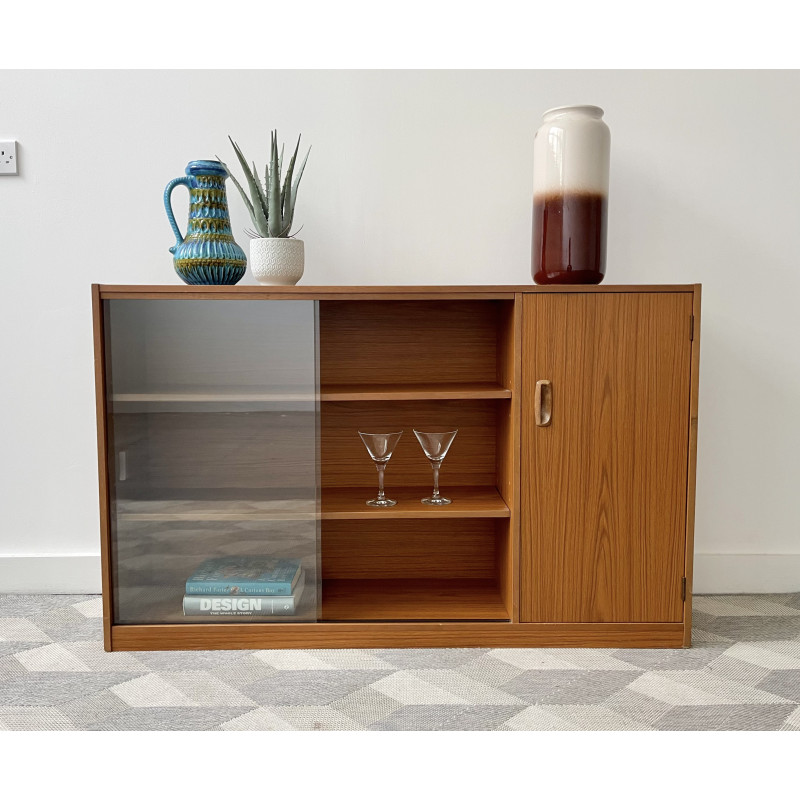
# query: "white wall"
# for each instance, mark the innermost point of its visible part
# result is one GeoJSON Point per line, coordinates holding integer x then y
{"type": "Point", "coordinates": [414, 177]}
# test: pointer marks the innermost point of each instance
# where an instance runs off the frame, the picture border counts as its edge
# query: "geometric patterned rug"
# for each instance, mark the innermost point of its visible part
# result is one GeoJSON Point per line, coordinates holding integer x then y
{"type": "Point", "coordinates": [742, 673]}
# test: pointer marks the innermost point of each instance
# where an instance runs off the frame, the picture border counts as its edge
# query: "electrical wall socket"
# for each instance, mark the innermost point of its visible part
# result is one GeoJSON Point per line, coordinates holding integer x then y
{"type": "Point", "coordinates": [8, 158]}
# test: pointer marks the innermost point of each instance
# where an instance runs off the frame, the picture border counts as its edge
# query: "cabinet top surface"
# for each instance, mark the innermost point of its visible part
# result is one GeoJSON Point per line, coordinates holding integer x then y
{"type": "Point", "coordinates": [368, 292]}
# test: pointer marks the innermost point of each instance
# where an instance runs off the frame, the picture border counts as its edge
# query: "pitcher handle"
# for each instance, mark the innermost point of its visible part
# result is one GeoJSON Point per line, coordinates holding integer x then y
{"type": "Point", "coordinates": [168, 205]}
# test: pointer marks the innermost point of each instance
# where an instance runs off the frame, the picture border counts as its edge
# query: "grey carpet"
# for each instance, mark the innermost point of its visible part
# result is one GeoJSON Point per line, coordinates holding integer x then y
{"type": "Point", "coordinates": [743, 673]}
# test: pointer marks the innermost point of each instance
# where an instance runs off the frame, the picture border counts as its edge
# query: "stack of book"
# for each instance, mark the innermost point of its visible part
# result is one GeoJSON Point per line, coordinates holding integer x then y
{"type": "Point", "coordinates": [244, 586]}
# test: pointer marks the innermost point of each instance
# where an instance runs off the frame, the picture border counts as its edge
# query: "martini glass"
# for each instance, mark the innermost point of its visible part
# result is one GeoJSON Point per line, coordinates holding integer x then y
{"type": "Point", "coordinates": [381, 446]}
{"type": "Point", "coordinates": [435, 446]}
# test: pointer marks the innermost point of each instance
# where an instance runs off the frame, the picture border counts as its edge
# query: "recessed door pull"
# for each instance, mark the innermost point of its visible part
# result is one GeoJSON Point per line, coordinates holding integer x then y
{"type": "Point", "coordinates": [543, 403]}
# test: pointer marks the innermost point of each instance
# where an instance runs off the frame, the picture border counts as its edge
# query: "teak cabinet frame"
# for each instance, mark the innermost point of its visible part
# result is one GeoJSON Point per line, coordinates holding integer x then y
{"type": "Point", "coordinates": [607, 584]}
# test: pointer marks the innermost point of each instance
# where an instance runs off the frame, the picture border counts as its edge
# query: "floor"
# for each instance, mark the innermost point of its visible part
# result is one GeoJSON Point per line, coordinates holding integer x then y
{"type": "Point", "coordinates": [743, 673]}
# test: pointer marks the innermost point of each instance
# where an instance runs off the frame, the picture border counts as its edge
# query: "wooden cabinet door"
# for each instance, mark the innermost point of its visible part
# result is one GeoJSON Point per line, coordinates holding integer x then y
{"type": "Point", "coordinates": [604, 484]}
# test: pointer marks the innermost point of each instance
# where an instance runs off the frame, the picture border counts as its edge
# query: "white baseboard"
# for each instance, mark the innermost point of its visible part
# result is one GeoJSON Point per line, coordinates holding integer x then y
{"type": "Point", "coordinates": [50, 574]}
{"type": "Point", "coordinates": [746, 573]}
{"type": "Point", "coordinates": [714, 573]}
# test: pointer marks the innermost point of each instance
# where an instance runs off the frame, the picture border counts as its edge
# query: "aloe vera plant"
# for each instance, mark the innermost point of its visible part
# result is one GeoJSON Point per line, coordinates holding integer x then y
{"type": "Point", "coordinates": [271, 204]}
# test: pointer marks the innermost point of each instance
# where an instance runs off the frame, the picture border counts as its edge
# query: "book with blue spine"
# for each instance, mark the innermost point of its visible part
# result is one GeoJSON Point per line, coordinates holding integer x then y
{"type": "Point", "coordinates": [248, 575]}
{"type": "Point", "coordinates": [235, 605]}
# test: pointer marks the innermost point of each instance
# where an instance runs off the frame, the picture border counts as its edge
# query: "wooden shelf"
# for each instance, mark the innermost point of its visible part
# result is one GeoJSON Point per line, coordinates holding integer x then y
{"type": "Point", "coordinates": [110, 291]}
{"type": "Point", "coordinates": [337, 503]}
{"type": "Point", "coordinates": [348, 600]}
{"type": "Point", "coordinates": [210, 398]}
{"type": "Point", "coordinates": [332, 392]}
{"type": "Point", "coordinates": [355, 392]}
{"type": "Point", "coordinates": [352, 600]}
{"type": "Point", "coordinates": [468, 501]}
{"type": "Point", "coordinates": [211, 395]}
{"type": "Point", "coordinates": [216, 510]}
{"type": "Point", "coordinates": [163, 605]}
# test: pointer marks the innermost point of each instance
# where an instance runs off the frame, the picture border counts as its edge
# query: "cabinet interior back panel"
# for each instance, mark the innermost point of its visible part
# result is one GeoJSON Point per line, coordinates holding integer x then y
{"type": "Point", "coordinates": [469, 462]}
{"type": "Point", "coordinates": [207, 451]}
{"type": "Point", "coordinates": [406, 549]}
{"type": "Point", "coordinates": [164, 347]}
{"type": "Point", "coordinates": [393, 342]}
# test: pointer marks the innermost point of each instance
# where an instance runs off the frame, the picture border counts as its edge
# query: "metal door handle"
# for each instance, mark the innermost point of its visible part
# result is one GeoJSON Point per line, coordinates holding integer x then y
{"type": "Point", "coordinates": [543, 403]}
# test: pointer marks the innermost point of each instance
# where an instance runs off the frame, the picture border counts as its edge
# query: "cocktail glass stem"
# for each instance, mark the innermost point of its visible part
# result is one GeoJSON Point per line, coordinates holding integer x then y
{"type": "Point", "coordinates": [435, 465]}
{"type": "Point", "coordinates": [381, 469]}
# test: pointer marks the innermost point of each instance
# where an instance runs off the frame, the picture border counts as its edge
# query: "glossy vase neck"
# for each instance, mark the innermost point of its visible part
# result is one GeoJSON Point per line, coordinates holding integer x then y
{"type": "Point", "coordinates": [203, 167]}
{"type": "Point", "coordinates": [589, 112]}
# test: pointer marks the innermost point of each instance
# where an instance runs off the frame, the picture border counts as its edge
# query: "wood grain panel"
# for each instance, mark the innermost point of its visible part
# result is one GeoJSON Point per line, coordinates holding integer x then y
{"type": "Point", "coordinates": [692, 467]}
{"type": "Point", "coordinates": [410, 549]}
{"type": "Point", "coordinates": [507, 567]}
{"type": "Point", "coordinates": [508, 374]}
{"type": "Point", "coordinates": [412, 391]}
{"type": "Point", "coordinates": [98, 330]}
{"type": "Point", "coordinates": [470, 461]}
{"type": "Point", "coordinates": [398, 342]}
{"type": "Point", "coordinates": [235, 636]}
{"type": "Point", "coordinates": [508, 330]}
{"type": "Point", "coordinates": [604, 493]}
{"type": "Point", "coordinates": [468, 501]}
{"type": "Point", "coordinates": [246, 450]}
{"type": "Point", "coordinates": [411, 599]}
{"type": "Point", "coordinates": [508, 446]}
{"type": "Point", "coordinates": [182, 291]}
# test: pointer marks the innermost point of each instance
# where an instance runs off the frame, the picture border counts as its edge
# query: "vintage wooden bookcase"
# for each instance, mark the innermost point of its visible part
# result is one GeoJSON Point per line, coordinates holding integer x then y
{"type": "Point", "coordinates": [227, 425]}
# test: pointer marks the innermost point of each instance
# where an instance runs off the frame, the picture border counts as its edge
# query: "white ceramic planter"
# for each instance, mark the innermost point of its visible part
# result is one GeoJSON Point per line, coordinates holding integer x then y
{"type": "Point", "coordinates": [277, 262]}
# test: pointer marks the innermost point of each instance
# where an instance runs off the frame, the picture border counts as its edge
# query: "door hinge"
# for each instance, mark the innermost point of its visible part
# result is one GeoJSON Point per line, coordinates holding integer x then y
{"type": "Point", "coordinates": [683, 589]}
{"type": "Point", "coordinates": [691, 328]}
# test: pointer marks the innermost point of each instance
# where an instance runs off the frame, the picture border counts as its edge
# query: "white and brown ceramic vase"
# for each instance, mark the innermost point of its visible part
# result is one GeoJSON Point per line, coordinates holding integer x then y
{"type": "Point", "coordinates": [571, 152]}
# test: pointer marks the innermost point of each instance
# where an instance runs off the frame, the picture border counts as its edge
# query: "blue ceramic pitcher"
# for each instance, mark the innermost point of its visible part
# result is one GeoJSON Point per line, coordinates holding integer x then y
{"type": "Point", "coordinates": [207, 254]}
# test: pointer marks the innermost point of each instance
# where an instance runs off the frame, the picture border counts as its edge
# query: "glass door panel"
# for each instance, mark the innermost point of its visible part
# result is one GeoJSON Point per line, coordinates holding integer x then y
{"type": "Point", "coordinates": [213, 441]}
